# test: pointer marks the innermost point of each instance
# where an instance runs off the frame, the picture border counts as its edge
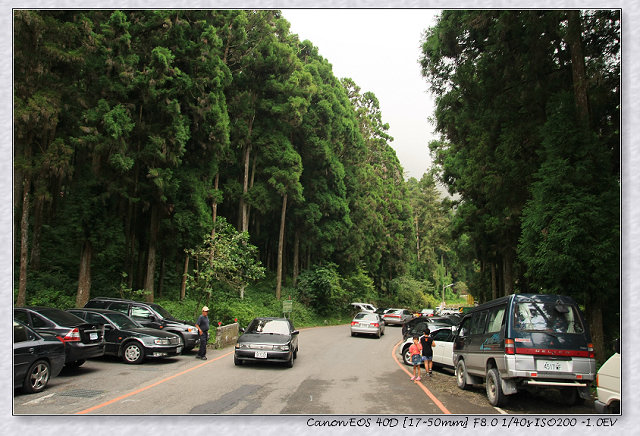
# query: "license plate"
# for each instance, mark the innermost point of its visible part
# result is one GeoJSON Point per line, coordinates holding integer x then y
{"type": "Point", "coordinates": [261, 354]}
{"type": "Point", "coordinates": [553, 366]}
{"type": "Point", "coordinates": [93, 336]}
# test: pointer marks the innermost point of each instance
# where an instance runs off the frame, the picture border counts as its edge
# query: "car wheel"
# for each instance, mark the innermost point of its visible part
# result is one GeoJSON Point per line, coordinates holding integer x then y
{"type": "Point", "coordinates": [37, 377]}
{"type": "Point", "coordinates": [289, 363]}
{"type": "Point", "coordinates": [75, 363]}
{"type": "Point", "coordinates": [406, 356]}
{"type": "Point", "coordinates": [353, 334]}
{"type": "Point", "coordinates": [236, 361]}
{"type": "Point", "coordinates": [494, 388]}
{"type": "Point", "coordinates": [133, 353]}
{"type": "Point", "coordinates": [461, 375]}
{"type": "Point", "coordinates": [571, 396]}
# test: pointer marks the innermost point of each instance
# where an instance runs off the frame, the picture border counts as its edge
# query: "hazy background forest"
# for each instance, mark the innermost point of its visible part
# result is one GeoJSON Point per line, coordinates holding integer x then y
{"type": "Point", "coordinates": [211, 157]}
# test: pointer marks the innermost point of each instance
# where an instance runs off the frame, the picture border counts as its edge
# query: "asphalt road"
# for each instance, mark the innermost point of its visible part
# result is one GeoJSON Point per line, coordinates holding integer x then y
{"type": "Point", "coordinates": [333, 374]}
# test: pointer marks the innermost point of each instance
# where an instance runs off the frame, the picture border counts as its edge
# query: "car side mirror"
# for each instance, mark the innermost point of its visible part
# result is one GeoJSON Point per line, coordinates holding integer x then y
{"type": "Point", "coordinates": [295, 332]}
{"type": "Point", "coordinates": [241, 329]}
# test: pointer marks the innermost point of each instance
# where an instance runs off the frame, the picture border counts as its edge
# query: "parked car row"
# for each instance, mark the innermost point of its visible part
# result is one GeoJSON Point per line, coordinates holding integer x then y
{"type": "Point", "coordinates": [522, 342]}
{"type": "Point", "coordinates": [41, 334]}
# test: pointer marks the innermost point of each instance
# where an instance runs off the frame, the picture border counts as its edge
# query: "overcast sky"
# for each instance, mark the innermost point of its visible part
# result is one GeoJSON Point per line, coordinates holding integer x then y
{"type": "Point", "coordinates": [379, 49]}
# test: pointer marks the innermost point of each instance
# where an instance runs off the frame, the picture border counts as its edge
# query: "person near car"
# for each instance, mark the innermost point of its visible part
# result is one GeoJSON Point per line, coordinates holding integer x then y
{"type": "Point", "coordinates": [416, 357]}
{"type": "Point", "coordinates": [426, 341]}
{"type": "Point", "coordinates": [203, 328]}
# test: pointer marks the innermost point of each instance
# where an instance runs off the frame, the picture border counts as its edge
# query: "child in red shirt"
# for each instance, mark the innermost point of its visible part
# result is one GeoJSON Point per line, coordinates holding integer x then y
{"type": "Point", "coordinates": [416, 357]}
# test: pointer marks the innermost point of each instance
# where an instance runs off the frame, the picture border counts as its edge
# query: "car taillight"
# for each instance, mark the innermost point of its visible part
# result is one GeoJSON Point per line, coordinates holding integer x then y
{"type": "Point", "coordinates": [592, 353]}
{"type": "Point", "coordinates": [375, 324]}
{"type": "Point", "coordinates": [353, 323]}
{"type": "Point", "coordinates": [509, 346]}
{"type": "Point", "coordinates": [598, 380]}
{"type": "Point", "coordinates": [72, 336]}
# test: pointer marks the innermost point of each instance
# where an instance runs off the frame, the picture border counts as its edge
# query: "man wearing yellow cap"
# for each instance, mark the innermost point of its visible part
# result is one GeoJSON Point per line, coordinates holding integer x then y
{"type": "Point", "coordinates": [203, 328]}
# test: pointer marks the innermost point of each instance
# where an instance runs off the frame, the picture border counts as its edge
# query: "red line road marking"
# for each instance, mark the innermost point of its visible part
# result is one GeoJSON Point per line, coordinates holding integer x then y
{"type": "Point", "coordinates": [137, 391]}
{"type": "Point", "coordinates": [423, 387]}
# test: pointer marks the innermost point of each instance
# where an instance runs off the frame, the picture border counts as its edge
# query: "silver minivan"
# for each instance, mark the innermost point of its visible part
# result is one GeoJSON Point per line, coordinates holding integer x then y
{"type": "Point", "coordinates": [525, 341]}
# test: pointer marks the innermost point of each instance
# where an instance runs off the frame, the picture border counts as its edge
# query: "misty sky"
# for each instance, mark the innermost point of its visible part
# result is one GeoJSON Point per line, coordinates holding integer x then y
{"type": "Point", "coordinates": [379, 49]}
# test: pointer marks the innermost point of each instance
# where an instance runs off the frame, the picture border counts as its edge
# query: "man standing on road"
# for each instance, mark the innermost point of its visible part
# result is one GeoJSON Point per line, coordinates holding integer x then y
{"type": "Point", "coordinates": [203, 328]}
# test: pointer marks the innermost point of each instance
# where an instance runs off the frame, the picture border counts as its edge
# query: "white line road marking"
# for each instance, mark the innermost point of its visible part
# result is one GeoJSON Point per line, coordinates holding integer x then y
{"type": "Point", "coordinates": [501, 411]}
{"type": "Point", "coordinates": [38, 400]}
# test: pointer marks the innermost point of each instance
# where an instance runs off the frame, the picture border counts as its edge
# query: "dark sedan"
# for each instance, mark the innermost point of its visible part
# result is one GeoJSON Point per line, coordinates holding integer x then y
{"type": "Point", "coordinates": [268, 339]}
{"type": "Point", "coordinates": [36, 358]}
{"type": "Point", "coordinates": [82, 340]}
{"type": "Point", "coordinates": [128, 339]}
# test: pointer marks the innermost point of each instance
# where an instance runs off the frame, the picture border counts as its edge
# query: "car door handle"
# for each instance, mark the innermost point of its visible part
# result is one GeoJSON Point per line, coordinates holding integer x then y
{"type": "Point", "coordinates": [31, 350]}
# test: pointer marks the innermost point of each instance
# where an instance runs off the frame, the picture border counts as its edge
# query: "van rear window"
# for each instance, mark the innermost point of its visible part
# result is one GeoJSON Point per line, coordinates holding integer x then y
{"type": "Point", "coordinates": [539, 316]}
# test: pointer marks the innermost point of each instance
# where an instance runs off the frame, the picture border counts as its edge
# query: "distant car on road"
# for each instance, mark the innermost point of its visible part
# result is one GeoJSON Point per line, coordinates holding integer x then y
{"type": "Point", "coordinates": [36, 358]}
{"type": "Point", "coordinates": [367, 323]}
{"type": "Point", "coordinates": [267, 339]}
{"type": "Point", "coordinates": [442, 352]}
{"type": "Point", "coordinates": [129, 340]}
{"type": "Point", "coordinates": [82, 340]}
{"type": "Point", "coordinates": [397, 316]}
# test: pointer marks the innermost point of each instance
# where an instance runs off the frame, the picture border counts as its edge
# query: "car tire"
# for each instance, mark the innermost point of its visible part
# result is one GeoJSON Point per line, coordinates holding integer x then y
{"type": "Point", "coordinates": [133, 353]}
{"type": "Point", "coordinates": [37, 377]}
{"type": "Point", "coordinates": [289, 363]}
{"type": "Point", "coordinates": [571, 396]}
{"type": "Point", "coordinates": [495, 394]}
{"type": "Point", "coordinates": [75, 364]}
{"type": "Point", "coordinates": [236, 361]}
{"type": "Point", "coordinates": [353, 334]}
{"type": "Point", "coordinates": [461, 375]}
{"type": "Point", "coordinates": [406, 356]}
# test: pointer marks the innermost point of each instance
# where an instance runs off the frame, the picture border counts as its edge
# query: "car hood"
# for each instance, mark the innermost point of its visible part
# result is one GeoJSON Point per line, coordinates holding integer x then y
{"type": "Point", "coordinates": [146, 331]}
{"type": "Point", "coordinates": [264, 338]}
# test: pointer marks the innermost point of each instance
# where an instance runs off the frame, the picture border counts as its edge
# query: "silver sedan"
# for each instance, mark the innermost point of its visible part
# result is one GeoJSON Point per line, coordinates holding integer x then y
{"type": "Point", "coordinates": [367, 323]}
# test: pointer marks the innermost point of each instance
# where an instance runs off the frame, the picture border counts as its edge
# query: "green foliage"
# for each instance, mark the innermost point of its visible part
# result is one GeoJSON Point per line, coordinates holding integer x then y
{"type": "Point", "coordinates": [321, 288]}
{"type": "Point", "coordinates": [412, 293]}
{"type": "Point", "coordinates": [227, 257]}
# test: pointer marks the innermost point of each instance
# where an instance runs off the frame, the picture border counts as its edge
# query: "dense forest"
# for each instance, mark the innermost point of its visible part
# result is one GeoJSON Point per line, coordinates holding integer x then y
{"type": "Point", "coordinates": [211, 156]}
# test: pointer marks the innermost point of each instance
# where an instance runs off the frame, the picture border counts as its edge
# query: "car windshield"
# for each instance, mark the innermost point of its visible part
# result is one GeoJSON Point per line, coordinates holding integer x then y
{"type": "Point", "coordinates": [545, 316]}
{"type": "Point", "coordinates": [162, 311]}
{"type": "Point", "coordinates": [122, 321]}
{"type": "Point", "coordinates": [273, 326]}
{"type": "Point", "coordinates": [61, 317]}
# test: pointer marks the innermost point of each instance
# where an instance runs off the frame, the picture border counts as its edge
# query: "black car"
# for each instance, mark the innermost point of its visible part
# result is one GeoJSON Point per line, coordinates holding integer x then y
{"type": "Point", "coordinates": [268, 339]}
{"type": "Point", "coordinates": [82, 340]}
{"type": "Point", "coordinates": [416, 326]}
{"type": "Point", "coordinates": [150, 315]}
{"type": "Point", "coordinates": [129, 340]}
{"type": "Point", "coordinates": [36, 358]}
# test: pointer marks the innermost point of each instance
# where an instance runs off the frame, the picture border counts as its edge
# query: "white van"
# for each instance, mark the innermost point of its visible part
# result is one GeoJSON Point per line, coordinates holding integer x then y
{"type": "Point", "coordinates": [608, 385]}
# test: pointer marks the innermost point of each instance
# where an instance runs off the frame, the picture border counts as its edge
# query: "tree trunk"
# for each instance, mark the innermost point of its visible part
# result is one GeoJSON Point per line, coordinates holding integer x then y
{"type": "Point", "coordinates": [38, 206]}
{"type": "Point", "coordinates": [151, 258]}
{"type": "Point", "coordinates": [84, 276]}
{"type": "Point", "coordinates": [594, 314]}
{"type": "Point", "coordinates": [507, 267]}
{"type": "Point", "coordinates": [280, 247]}
{"type": "Point", "coordinates": [574, 41]}
{"type": "Point", "coordinates": [214, 206]}
{"type": "Point", "coordinates": [296, 257]}
{"type": "Point", "coordinates": [417, 238]}
{"type": "Point", "coordinates": [183, 288]}
{"type": "Point", "coordinates": [161, 280]}
{"type": "Point", "coordinates": [24, 242]}
{"type": "Point", "coordinates": [244, 216]}
{"type": "Point", "coordinates": [494, 283]}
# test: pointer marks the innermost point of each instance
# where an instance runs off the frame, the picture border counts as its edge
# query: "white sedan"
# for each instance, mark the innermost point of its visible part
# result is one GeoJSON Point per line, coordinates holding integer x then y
{"type": "Point", "coordinates": [442, 352]}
